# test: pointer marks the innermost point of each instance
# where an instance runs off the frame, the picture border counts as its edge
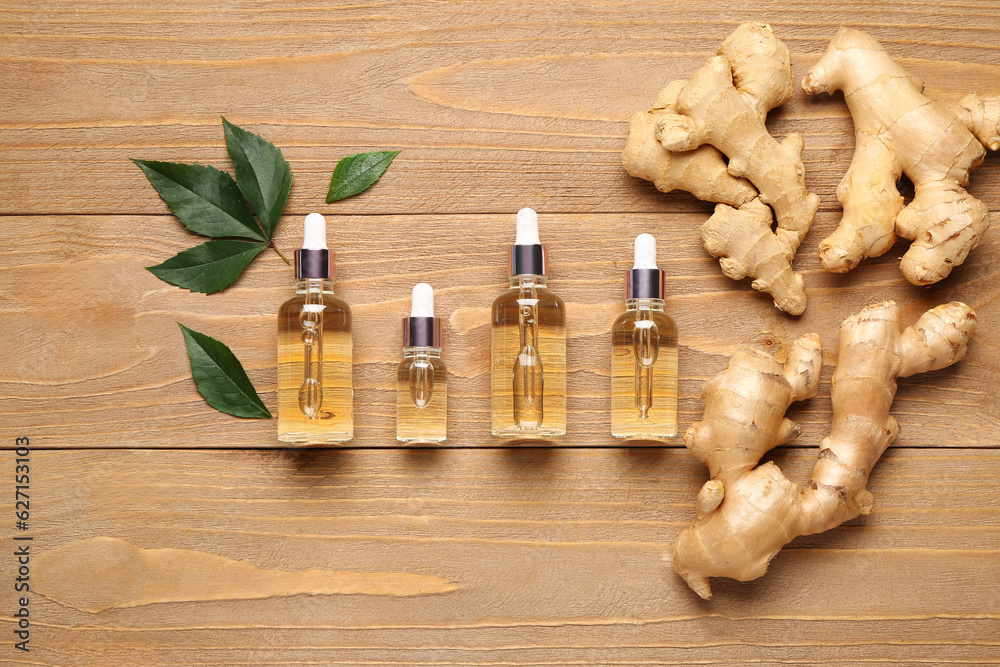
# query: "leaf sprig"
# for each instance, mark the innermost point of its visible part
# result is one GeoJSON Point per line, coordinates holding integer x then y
{"type": "Point", "coordinates": [209, 202]}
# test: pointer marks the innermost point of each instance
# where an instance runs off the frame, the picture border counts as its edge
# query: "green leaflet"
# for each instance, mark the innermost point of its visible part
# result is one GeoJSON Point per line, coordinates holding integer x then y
{"type": "Point", "coordinates": [262, 172]}
{"type": "Point", "coordinates": [356, 173]}
{"type": "Point", "coordinates": [209, 267]}
{"type": "Point", "coordinates": [220, 378]}
{"type": "Point", "coordinates": [204, 199]}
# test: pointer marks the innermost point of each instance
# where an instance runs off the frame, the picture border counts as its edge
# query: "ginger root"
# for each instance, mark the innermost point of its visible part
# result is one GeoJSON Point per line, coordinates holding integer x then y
{"type": "Point", "coordinates": [701, 171]}
{"type": "Point", "coordinates": [747, 513]}
{"type": "Point", "coordinates": [900, 130]}
{"type": "Point", "coordinates": [679, 144]}
{"type": "Point", "coordinates": [743, 239]}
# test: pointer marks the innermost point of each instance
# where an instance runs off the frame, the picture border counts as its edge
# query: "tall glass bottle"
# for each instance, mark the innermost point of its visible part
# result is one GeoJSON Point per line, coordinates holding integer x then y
{"type": "Point", "coordinates": [421, 381]}
{"type": "Point", "coordinates": [315, 393]}
{"type": "Point", "coordinates": [644, 355]}
{"type": "Point", "coordinates": [528, 369]}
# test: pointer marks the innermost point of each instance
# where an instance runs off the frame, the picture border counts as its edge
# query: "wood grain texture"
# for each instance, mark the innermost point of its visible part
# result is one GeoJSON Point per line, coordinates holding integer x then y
{"type": "Point", "coordinates": [494, 107]}
{"type": "Point", "coordinates": [558, 555]}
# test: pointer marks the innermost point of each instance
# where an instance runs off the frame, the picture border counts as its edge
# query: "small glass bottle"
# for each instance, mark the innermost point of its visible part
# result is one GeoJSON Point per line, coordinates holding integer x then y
{"type": "Point", "coordinates": [644, 355]}
{"type": "Point", "coordinates": [422, 381]}
{"type": "Point", "coordinates": [528, 368]}
{"type": "Point", "coordinates": [315, 393]}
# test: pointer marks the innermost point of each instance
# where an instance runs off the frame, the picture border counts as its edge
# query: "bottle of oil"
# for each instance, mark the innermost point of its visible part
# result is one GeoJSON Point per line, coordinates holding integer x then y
{"type": "Point", "coordinates": [315, 394]}
{"type": "Point", "coordinates": [528, 369]}
{"type": "Point", "coordinates": [644, 355]}
{"type": "Point", "coordinates": [422, 381]}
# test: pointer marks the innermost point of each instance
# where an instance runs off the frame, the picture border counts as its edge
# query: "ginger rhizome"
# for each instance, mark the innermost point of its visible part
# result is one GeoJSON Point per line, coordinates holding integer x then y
{"type": "Point", "coordinates": [720, 111]}
{"type": "Point", "coordinates": [746, 513]}
{"type": "Point", "coordinates": [742, 240]}
{"type": "Point", "coordinates": [702, 171]}
{"type": "Point", "coordinates": [900, 130]}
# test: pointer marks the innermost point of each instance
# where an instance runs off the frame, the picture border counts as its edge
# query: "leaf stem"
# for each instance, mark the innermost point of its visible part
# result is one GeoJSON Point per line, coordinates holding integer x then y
{"type": "Point", "coordinates": [280, 254]}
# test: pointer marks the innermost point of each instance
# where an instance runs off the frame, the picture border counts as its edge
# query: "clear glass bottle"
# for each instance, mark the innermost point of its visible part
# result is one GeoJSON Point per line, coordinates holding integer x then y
{"type": "Point", "coordinates": [528, 369]}
{"type": "Point", "coordinates": [421, 381]}
{"type": "Point", "coordinates": [315, 392]}
{"type": "Point", "coordinates": [644, 355]}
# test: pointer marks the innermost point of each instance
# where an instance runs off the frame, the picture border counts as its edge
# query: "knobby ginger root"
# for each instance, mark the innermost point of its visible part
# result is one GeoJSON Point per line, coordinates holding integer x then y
{"type": "Point", "coordinates": [679, 144]}
{"type": "Point", "coordinates": [702, 171]}
{"type": "Point", "coordinates": [900, 130]}
{"type": "Point", "coordinates": [747, 513]}
{"type": "Point", "coordinates": [743, 239]}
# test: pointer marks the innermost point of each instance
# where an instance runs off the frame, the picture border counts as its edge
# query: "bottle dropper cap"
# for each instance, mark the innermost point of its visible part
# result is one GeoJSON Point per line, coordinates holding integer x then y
{"type": "Point", "coordinates": [645, 281]}
{"type": "Point", "coordinates": [421, 328]}
{"type": "Point", "coordinates": [314, 260]}
{"type": "Point", "coordinates": [528, 255]}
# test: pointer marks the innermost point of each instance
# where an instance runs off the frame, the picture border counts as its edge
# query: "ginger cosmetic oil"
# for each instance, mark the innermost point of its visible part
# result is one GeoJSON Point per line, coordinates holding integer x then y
{"type": "Point", "coordinates": [528, 367]}
{"type": "Point", "coordinates": [421, 380]}
{"type": "Point", "coordinates": [315, 394]}
{"type": "Point", "coordinates": [644, 355]}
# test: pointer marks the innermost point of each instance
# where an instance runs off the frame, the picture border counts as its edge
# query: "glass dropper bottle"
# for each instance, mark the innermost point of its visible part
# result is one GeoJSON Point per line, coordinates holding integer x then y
{"type": "Point", "coordinates": [315, 392]}
{"type": "Point", "coordinates": [421, 380]}
{"type": "Point", "coordinates": [644, 354]}
{"type": "Point", "coordinates": [528, 367]}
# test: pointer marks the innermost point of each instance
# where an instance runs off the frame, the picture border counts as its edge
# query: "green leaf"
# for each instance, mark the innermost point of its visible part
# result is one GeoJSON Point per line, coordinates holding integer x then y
{"type": "Point", "coordinates": [262, 173]}
{"type": "Point", "coordinates": [209, 267]}
{"type": "Point", "coordinates": [204, 199]}
{"type": "Point", "coordinates": [356, 173]}
{"type": "Point", "coordinates": [220, 378]}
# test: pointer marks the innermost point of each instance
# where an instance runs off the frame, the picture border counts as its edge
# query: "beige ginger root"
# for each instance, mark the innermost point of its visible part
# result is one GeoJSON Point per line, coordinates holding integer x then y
{"type": "Point", "coordinates": [898, 130]}
{"type": "Point", "coordinates": [679, 144]}
{"type": "Point", "coordinates": [701, 171]}
{"type": "Point", "coordinates": [746, 513]}
{"type": "Point", "coordinates": [743, 239]}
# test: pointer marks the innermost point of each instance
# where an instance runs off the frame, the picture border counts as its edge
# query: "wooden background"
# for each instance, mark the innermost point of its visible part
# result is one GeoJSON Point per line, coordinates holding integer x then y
{"type": "Point", "coordinates": [143, 495]}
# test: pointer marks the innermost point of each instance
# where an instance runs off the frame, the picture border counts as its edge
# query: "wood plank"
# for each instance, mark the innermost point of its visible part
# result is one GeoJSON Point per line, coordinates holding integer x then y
{"type": "Point", "coordinates": [240, 554]}
{"type": "Point", "coordinates": [94, 357]}
{"type": "Point", "coordinates": [468, 91]}
{"type": "Point", "coordinates": [558, 555]}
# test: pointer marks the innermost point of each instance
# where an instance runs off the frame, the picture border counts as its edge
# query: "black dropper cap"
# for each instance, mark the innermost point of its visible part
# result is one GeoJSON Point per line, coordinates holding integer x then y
{"type": "Point", "coordinates": [314, 260]}
{"type": "Point", "coordinates": [644, 280]}
{"type": "Point", "coordinates": [528, 256]}
{"type": "Point", "coordinates": [421, 328]}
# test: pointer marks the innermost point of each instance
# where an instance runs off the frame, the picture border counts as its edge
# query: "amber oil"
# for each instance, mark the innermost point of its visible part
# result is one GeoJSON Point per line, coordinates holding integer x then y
{"type": "Point", "coordinates": [528, 366]}
{"type": "Point", "coordinates": [644, 355]}
{"type": "Point", "coordinates": [421, 379]}
{"type": "Point", "coordinates": [315, 391]}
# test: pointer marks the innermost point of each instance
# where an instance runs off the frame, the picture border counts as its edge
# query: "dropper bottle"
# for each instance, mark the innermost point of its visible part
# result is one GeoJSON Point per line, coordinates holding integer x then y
{"type": "Point", "coordinates": [421, 381]}
{"type": "Point", "coordinates": [315, 393]}
{"type": "Point", "coordinates": [644, 354]}
{"type": "Point", "coordinates": [528, 369]}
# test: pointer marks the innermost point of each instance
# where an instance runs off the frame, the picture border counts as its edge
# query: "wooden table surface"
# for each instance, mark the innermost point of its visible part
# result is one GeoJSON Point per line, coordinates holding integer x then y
{"type": "Point", "coordinates": [166, 533]}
